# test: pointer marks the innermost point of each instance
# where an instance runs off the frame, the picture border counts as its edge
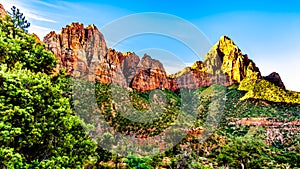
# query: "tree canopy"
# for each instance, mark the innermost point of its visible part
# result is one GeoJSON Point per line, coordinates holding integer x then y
{"type": "Point", "coordinates": [38, 128]}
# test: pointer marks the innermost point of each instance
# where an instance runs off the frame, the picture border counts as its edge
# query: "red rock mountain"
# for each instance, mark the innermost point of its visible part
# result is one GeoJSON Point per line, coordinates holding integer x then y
{"type": "Point", "coordinates": [2, 11]}
{"type": "Point", "coordinates": [129, 62]}
{"type": "Point", "coordinates": [150, 75]}
{"type": "Point", "coordinates": [83, 52]}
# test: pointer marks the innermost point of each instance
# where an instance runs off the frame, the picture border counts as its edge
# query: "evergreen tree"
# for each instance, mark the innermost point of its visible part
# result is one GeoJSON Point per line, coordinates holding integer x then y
{"type": "Point", "coordinates": [18, 19]}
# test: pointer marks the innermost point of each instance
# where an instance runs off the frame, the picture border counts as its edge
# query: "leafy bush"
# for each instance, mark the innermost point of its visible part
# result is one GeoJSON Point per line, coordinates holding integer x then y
{"type": "Point", "coordinates": [138, 162]}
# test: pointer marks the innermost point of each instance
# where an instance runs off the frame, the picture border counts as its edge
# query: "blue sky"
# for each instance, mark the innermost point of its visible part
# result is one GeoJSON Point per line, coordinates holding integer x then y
{"type": "Point", "coordinates": [268, 31]}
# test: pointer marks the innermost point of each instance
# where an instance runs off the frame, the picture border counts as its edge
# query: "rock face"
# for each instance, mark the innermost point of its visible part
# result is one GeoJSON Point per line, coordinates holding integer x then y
{"type": "Point", "coordinates": [83, 52]}
{"type": "Point", "coordinates": [150, 75]}
{"type": "Point", "coordinates": [225, 57]}
{"type": "Point", "coordinates": [129, 62]}
{"type": "Point", "coordinates": [2, 11]}
{"type": "Point", "coordinates": [191, 77]}
{"type": "Point", "coordinates": [275, 79]}
{"type": "Point", "coordinates": [223, 64]}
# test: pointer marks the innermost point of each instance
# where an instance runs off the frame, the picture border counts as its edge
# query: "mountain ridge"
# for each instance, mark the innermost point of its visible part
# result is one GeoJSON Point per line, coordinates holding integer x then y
{"type": "Point", "coordinates": [82, 50]}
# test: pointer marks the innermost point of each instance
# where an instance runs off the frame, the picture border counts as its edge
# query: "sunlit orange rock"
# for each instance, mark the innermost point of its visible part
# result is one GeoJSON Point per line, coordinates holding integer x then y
{"type": "Point", "coordinates": [83, 53]}
{"type": "Point", "coordinates": [2, 11]}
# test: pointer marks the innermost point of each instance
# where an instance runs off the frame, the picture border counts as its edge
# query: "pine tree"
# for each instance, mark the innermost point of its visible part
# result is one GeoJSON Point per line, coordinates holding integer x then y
{"type": "Point", "coordinates": [18, 19]}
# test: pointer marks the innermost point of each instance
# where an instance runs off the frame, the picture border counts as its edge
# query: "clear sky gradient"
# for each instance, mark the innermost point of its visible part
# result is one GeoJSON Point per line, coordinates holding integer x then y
{"type": "Point", "coordinates": [268, 31]}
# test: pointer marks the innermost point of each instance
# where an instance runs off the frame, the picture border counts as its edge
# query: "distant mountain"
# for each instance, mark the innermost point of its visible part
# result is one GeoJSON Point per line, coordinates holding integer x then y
{"type": "Point", "coordinates": [84, 53]}
{"type": "Point", "coordinates": [275, 79]}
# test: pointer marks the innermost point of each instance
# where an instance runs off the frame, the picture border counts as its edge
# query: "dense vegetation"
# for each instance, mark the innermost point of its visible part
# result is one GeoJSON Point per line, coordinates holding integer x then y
{"type": "Point", "coordinates": [265, 90]}
{"type": "Point", "coordinates": [37, 126]}
{"type": "Point", "coordinates": [45, 123]}
{"type": "Point", "coordinates": [231, 144]}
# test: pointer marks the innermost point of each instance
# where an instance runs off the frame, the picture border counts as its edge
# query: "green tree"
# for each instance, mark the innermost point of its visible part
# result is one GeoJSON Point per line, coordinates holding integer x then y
{"type": "Point", "coordinates": [38, 129]}
{"type": "Point", "coordinates": [18, 19]}
{"type": "Point", "coordinates": [37, 126]}
{"type": "Point", "coordinates": [135, 162]}
{"type": "Point", "coordinates": [245, 152]}
{"type": "Point", "coordinates": [18, 46]}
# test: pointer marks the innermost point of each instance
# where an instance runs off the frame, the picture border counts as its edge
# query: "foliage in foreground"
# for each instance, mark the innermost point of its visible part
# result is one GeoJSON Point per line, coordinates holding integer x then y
{"type": "Point", "coordinates": [18, 46]}
{"type": "Point", "coordinates": [37, 126]}
{"type": "Point", "coordinates": [229, 145]}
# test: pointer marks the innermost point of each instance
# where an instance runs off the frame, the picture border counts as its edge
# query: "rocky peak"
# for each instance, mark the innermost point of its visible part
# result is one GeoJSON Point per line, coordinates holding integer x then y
{"type": "Point", "coordinates": [129, 62]}
{"type": "Point", "coordinates": [150, 75]}
{"type": "Point", "coordinates": [223, 64]}
{"type": "Point", "coordinates": [275, 79]}
{"type": "Point", "coordinates": [76, 47]}
{"type": "Point", "coordinates": [83, 52]}
{"type": "Point", "coordinates": [2, 11]}
{"type": "Point", "coordinates": [147, 62]}
{"type": "Point", "coordinates": [225, 57]}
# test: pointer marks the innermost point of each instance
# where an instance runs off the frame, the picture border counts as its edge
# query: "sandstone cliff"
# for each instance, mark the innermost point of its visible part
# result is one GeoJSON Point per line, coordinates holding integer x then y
{"type": "Point", "coordinates": [129, 62]}
{"type": "Point", "coordinates": [223, 64]}
{"type": "Point", "coordinates": [150, 75]}
{"type": "Point", "coordinates": [191, 77]}
{"type": "Point", "coordinates": [83, 52]}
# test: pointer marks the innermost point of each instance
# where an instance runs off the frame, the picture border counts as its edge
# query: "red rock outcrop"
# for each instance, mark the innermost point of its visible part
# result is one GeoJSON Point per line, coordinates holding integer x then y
{"type": "Point", "coordinates": [83, 52]}
{"type": "Point", "coordinates": [275, 79]}
{"type": "Point", "coordinates": [150, 75]}
{"type": "Point", "coordinates": [191, 77]}
{"type": "Point", "coordinates": [129, 62]}
{"type": "Point", "coordinates": [2, 11]}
